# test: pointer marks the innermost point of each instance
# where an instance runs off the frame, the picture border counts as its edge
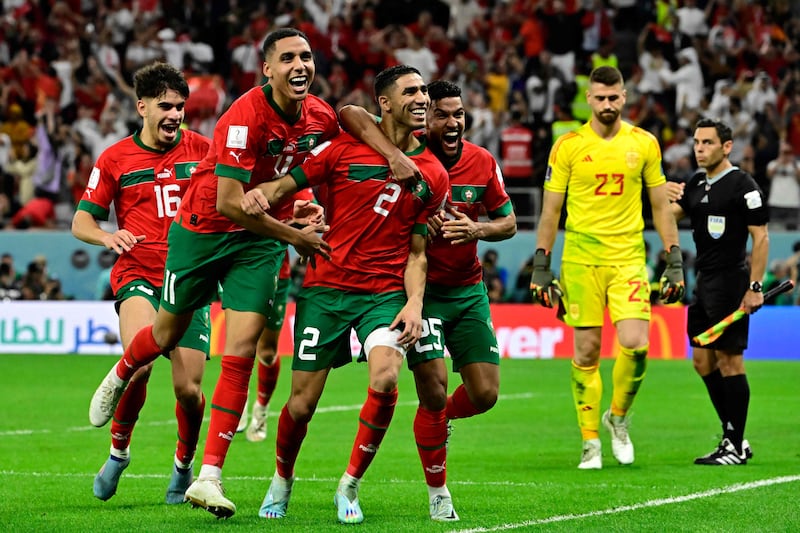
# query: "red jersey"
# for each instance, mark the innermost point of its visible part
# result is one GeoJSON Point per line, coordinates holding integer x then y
{"type": "Point", "coordinates": [372, 217]}
{"type": "Point", "coordinates": [254, 141]}
{"type": "Point", "coordinates": [146, 186]}
{"type": "Point", "coordinates": [476, 188]}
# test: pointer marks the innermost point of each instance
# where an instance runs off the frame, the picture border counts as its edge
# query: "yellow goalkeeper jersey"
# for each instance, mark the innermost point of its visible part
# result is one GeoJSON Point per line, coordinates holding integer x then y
{"type": "Point", "coordinates": [603, 180]}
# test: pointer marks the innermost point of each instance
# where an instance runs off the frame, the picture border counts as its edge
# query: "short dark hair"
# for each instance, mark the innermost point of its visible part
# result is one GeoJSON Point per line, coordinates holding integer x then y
{"type": "Point", "coordinates": [155, 79]}
{"type": "Point", "coordinates": [443, 89]}
{"type": "Point", "coordinates": [281, 33]}
{"type": "Point", "coordinates": [606, 75]}
{"type": "Point", "coordinates": [723, 130]}
{"type": "Point", "coordinates": [385, 78]}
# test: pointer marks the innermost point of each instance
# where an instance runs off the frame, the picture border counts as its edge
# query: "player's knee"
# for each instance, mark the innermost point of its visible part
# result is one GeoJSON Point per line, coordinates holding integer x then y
{"type": "Point", "coordinates": [301, 409]}
{"type": "Point", "coordinates": [266, 357]}
{"type": "Point", "coordinates": [484, 397]}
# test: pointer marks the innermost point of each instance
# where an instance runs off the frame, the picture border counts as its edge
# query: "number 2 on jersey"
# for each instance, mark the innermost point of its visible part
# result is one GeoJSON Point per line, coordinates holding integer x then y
{"type": "Point", "coordinates": [389, 197]}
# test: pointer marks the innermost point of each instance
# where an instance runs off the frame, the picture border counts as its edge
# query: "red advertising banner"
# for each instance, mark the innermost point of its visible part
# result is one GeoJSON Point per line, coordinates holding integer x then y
{"type": "Point", "coordinates": [523, 332]}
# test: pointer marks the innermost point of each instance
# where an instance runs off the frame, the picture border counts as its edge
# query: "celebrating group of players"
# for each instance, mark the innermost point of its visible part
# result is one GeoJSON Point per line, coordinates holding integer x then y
{"type": "Point", "coordinates": [399, 204]}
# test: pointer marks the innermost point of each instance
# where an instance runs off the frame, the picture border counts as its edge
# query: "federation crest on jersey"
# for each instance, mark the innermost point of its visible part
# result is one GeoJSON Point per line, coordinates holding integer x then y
{"type": "Point", "coordinates": [421, 190]}
{"type": "Point", "coordinates": [716, 226]}
{"type": "Point", "coordinates": [468, 194]}
{"type": "Point", "coordinates": [632, 159]}
{"type": "Point", "coordinates": [237, 137]}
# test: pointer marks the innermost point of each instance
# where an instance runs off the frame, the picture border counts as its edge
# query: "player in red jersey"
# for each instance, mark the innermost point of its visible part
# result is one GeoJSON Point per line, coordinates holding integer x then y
{"type": "Point", "coordinates": [373, 282]}
{"type": "Point", "coordinates": [212, 242]}
{"type": "Point", "coordinates": [268, 363]}
{"type": "Point", "coordinates": [145, 176]}
{"type": "Point", "coordinates": [456, 306]}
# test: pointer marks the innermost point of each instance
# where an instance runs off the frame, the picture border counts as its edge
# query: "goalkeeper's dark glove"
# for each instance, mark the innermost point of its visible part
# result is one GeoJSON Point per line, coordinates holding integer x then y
{"type": "Point", "coordinates": [672, 283]}
{"type": "Point", "coordinates": [544, 286]}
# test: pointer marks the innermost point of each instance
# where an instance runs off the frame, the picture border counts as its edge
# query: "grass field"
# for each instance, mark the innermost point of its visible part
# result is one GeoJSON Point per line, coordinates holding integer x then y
{"type": "Point", "coordinates": [513, 468]}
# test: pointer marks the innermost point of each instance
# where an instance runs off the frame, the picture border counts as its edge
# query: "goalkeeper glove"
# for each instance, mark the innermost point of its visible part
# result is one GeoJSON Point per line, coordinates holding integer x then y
{"type": "Point", "coordinates": [544, 287]}
{"type": "Point", "coordinates": [672, 284]}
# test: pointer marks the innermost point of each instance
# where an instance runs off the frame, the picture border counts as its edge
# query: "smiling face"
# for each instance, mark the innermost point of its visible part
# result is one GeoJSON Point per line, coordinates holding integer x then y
{"type": "Point", "coordinates": [446, 124]}
{"type": "Point", "coordinates": [290, 69]}
{"type": "Point", "coordinates": [407, 101]}
{"type": "Point", "coordinates": [606, 102]}
{"type": "Point", "coordinates": [162, 117]}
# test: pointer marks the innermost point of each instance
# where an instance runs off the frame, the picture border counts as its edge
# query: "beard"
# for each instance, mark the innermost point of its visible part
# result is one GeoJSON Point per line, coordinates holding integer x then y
{"type": "Point", "coordinates": [608, 117]}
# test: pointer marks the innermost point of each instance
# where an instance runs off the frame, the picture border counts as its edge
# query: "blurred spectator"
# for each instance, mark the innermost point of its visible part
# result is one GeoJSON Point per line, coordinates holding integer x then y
{"type": "Point", "coordinates": [494, 276]}
{"type": "Point", "coordinates": [22, 169]}
{"type": "Point", "coordinates": [564, 36]}
{"type": "Point", "coordinates": [10, 284]}
{"type": "Point", "coordinates": [691, 20]}
{"type": "Point", "coordinates": [784, 190]}
{"type": "Point", "coordinates": [19, 130]}
{"type": "Point", "coordinates": [760, 94]}
{"type": "Point", "coordinates": [522, 285]}
{"type": "Point", "coordinates": [415, 52]}
{"type": "Point", "coordinates": [516, 162]}
{"type": "Point", "coordinates": [679, 151]}
{"type": "Point", "coordinates": [687, 80]}
{"type": "Point", "coordinates": [778, 272]}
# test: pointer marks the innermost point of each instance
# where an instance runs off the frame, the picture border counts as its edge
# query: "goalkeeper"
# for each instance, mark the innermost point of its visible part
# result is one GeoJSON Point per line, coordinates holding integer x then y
{"type": "Point", "coordinates": [604, 166]}
{"type": "Point", "coordinates": [725, 206]}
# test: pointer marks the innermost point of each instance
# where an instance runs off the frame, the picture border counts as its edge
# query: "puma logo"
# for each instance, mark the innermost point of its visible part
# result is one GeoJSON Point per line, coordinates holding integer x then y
{"type": "Point", "coordinates": [235, 155]}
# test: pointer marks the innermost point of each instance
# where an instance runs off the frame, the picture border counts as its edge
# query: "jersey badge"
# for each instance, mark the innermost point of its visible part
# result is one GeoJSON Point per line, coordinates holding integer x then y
{"type": "Point", "coordinates": [632, 159]}
{"type": "Point", "coordinates": [715, 226]}
{"type": "Point", "coordinates": [237, 137]}
{"type": "Point", "coordinates": [753, 200]}
{"type": "Point", "coordinates": [468, 194]}
{"type": "Point", "coordinates": [94, 178]}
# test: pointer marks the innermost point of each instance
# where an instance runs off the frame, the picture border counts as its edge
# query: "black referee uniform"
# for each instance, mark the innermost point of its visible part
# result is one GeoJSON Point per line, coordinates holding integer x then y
{"type": "Point", "coordinates": [720, 210]}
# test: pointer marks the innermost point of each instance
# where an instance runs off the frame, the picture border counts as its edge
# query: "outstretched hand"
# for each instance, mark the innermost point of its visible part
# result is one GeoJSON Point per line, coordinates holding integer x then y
{"type": "Point", "coordinates": [410, 319]}
{"type": "Point", "coordinates": [461, 228]}
{"type": "Point", "coordinates": [307, 213]}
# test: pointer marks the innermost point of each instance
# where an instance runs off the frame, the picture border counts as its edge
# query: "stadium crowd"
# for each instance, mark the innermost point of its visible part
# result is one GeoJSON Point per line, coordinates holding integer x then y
{"type": "Point", "coordinates": [66, 70]}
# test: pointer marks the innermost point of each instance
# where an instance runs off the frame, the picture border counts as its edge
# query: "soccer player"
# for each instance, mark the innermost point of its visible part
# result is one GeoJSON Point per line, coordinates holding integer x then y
{"type": "Point", "coordinates": [211, 241]}
{"type": "Point", "coordinates": [374, 281]}
{"type": "Point", "coordinates": [145, 176]}
{"type": "Point", "coordinates": [725, 206]}
{"type": "Point", "coordinates": [601, 169]}
{"type": "Point", "coordinates": [456, 305]}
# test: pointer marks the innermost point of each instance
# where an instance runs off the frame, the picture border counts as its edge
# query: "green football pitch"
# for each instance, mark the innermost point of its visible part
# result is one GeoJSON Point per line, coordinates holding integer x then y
{"type": "Point", "coordinates": [511, 469]}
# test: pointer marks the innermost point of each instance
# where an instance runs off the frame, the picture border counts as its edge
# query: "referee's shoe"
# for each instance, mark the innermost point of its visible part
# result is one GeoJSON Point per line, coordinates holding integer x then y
{"type": "Point", "coordinates": [726, 455]}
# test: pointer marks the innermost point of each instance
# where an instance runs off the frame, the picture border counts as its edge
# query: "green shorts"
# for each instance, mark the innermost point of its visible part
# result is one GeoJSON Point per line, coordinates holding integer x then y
{"type": "Point", "coordinates": [244, 264]}
{"type": "Point", "coordinates": [459, 318]}
{"type": "Point", "coordinates": [278, 310]}
{"type": "Point", "coordinates": [588, 290]}
{"type": "Point", "coordinates": [324, 318]}
{"type": "Point", "coordinates": [197, 337]}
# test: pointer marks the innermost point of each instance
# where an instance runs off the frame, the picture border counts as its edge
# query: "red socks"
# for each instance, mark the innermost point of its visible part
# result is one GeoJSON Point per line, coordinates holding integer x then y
{"type": "Point", "coordinates": [430, 432]}
{"type": "Point", "coordinates": [127, 413]}
{"type": "Point", "coordinates": [287, 446]}
{"type": "Point", "coordinates": [376, 414]}
{"type": "Point", "coordinates": [227, 405]}
{"type": "Point", "coordinates": [267, 379]}
{"type": "Point", "coordinates": [142, 350]}
{"type": "Point", "coordinates": [459, 405]}
{"type": "Point", "coordinates": [188, 431]}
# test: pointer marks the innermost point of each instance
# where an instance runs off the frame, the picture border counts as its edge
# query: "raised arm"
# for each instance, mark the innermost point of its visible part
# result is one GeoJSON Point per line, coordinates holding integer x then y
{"type": "Point", "coordinates": [361, 124]}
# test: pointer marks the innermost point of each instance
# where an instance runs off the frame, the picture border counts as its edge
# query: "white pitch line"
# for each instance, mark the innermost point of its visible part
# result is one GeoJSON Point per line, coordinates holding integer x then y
{"type": "Point", "coordinates": [329, 409]}
{"type": "Point", "coordinates": [636, 506]}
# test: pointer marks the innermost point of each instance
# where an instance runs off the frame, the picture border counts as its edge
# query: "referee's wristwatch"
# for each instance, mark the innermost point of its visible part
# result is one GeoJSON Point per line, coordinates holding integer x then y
{"type": "Point", "coordinates": [755, 286]}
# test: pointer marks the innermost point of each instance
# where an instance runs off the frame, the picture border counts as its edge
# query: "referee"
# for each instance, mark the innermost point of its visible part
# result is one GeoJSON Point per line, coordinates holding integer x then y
{"type": "Point", "coordinates": [724, 205]}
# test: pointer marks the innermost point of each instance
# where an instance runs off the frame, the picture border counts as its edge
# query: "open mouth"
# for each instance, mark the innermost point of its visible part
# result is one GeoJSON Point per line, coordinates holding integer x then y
{"type": "Point", "coordinates": [299, 83]}
{"type": "Point", "coordinates": [170, 129]}
{"type": "Point", "coordinates": [450, 140]}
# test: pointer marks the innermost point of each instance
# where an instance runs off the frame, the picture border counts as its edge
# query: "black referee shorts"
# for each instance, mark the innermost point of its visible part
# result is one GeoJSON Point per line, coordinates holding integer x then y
{"type": "Point", "coordinates": [716, 295]}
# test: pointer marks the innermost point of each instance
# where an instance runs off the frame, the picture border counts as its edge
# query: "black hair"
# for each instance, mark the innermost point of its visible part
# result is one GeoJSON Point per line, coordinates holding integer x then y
{"type": "Point", "coordinates": [723, 130]}
{"type": "Point", "coordinates": [385, 78]}
{"type": "Point", "coordinates": [155, 79]}
{"type": "Point", "coordinates": [443, 89]}
{"type": "Point", "coordinates": [277, 35]}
